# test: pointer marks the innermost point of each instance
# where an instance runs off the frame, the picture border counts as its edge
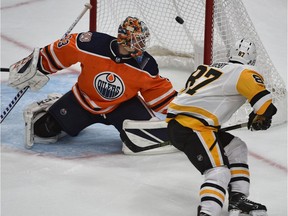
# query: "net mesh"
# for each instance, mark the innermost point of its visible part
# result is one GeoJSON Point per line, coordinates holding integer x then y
{"type": "Point", "coordinates": [181, 45]}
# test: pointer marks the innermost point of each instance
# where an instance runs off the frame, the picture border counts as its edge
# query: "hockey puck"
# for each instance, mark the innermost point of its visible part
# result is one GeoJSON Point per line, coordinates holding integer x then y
{"type": "Point", "coordinates": [179, 20]}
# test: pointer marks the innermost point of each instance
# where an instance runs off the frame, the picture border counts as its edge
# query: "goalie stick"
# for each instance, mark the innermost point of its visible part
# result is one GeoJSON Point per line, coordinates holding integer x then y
{"type": "Point", "coordinates": [18, 96]}
{"type": "Point", "coordinates": [138, 149]}
{"type": "Point", "coordinates": [13, 103]}
{"type": "Point", "coordinates": [4, 69]}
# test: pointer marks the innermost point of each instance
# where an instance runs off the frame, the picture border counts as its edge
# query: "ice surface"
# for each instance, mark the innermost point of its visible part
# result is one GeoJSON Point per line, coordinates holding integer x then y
{"type": "Point", "coordinates": [88, 175]}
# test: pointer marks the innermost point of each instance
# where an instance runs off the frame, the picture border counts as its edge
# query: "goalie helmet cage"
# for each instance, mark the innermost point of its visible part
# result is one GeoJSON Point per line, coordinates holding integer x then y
{"type": "Point", "coordinates": [210, 28]}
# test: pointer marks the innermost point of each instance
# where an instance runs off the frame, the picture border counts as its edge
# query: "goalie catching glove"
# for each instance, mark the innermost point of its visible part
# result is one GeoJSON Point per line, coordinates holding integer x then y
{"type": "Point", "coordinates": [25, 73]}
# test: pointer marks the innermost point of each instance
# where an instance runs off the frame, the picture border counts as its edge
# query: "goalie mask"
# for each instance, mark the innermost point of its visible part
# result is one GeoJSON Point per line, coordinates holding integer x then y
{"type": "Point", "coordinates": [134, 35]}
{"type": "Point", "coordinates": [244, 51]}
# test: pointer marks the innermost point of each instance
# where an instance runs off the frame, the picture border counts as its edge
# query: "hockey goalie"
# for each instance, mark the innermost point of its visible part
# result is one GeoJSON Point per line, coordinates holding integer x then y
{"type": "Point", "coordinates": [119, 85]}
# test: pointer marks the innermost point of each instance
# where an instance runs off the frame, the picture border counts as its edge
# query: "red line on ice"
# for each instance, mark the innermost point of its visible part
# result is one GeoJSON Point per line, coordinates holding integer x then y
{"type": "Point", "coordinates": [19, 4]}
{"type": "Point", "coordinates": [17, 43]}
{"type": "Point", "coordinates": [268, 161]}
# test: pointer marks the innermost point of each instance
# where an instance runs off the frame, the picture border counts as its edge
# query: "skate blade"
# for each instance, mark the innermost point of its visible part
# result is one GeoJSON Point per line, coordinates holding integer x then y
{"type": "Point", "coordinates": [234, 213]}
{"type": "Point", "coordinates": [258, 213]}
{"type": "Point", "coordinates": [252, 213]}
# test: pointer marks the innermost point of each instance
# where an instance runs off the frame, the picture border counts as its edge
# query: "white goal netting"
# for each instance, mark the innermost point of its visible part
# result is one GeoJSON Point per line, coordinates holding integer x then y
{"type": "Point", "coordinates": [181, 46]}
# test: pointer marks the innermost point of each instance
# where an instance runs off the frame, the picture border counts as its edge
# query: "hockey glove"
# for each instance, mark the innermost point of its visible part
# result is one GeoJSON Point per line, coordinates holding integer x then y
{"type": "Point", "coordinates": [258, 122]}
{"type": "Point", "coordinates": [25, 73]}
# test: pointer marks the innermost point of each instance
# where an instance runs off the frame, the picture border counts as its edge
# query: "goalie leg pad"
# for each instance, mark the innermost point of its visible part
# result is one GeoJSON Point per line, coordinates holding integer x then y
{"type": "Point", "coordinates": [32, 113]}
{"type": "Point", "coordinates": [145, 138]}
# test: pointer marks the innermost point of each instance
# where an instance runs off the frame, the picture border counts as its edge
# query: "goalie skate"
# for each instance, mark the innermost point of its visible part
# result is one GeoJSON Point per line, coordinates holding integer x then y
{"type": "Point", "coordinates": [31, 114]}
{"type": "Point", "coordinates": [239, 205]}
{"type": "Point", "coordinates": [31, 138]}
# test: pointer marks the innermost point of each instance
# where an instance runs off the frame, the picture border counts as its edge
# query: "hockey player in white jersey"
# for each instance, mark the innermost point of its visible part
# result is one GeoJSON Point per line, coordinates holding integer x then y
{"type": "Point", "coordinates": [210, 97]}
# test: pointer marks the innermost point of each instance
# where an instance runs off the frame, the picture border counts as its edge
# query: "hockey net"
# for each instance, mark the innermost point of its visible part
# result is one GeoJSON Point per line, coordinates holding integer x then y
{"type": "Point", "coordinates": [182, 45]}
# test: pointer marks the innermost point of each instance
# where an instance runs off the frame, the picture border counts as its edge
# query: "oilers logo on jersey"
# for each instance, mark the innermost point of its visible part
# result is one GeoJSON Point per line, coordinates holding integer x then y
{"type": "Point", "coordinates": [109, 85]}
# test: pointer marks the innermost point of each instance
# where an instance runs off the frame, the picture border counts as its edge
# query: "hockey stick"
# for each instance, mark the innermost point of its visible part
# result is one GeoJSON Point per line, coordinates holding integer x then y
{"type": "Point", "coordinates": [87, 7]}
{"type": "Point", "coordinates": [136, 149]}
{"type": "Point", "coordinates": [13, 103]}
{"type": "Point", "coordinates": [4, 69]}
{"type": "Point", "coordinates": [233, 127]}
{"type": "Point", "coordinates": [24, 90]}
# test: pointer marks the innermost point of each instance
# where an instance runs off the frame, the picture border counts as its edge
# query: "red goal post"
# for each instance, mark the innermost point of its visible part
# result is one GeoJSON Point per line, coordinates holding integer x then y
{"type": "Point", "coordinates": [210, 28]}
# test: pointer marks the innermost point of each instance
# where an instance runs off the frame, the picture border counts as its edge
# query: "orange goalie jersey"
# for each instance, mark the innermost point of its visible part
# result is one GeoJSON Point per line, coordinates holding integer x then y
{"type": "Point", "coordinates": [107, 79]}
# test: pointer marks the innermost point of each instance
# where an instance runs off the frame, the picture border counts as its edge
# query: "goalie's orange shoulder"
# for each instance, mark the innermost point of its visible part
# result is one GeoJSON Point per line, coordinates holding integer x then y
{"type": "Point", "coordinates": [60, 54]}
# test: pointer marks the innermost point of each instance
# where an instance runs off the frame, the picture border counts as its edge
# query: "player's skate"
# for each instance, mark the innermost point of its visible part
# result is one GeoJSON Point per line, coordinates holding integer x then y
{"type": "Point", "coordinates": [239, 205]}
{"type": "Point", "coordinates": [201, 213]}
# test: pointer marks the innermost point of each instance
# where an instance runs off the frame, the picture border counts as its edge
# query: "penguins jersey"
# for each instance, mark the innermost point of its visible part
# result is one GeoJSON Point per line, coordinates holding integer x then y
{"type": "Point", "coordinates": [107, 79]}
{"type": "Point", "coordinates": [213, 93]}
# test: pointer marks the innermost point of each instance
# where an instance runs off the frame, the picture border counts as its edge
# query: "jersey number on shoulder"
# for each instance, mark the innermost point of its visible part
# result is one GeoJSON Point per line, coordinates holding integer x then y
{"type": "Point", "coordinates": [258, 79]}
{"type": "Point", "coordinates": [207, 76]}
